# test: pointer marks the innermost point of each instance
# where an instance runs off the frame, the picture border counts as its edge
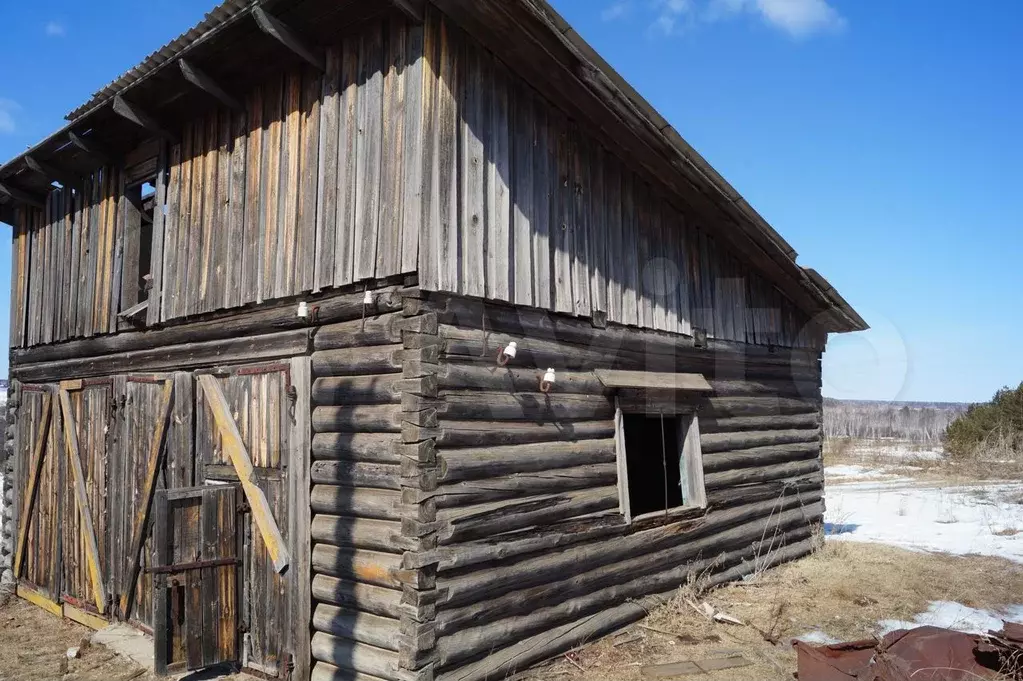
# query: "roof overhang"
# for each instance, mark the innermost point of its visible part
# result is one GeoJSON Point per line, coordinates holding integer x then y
{"type": "Point", "coordinates": [528, 35]}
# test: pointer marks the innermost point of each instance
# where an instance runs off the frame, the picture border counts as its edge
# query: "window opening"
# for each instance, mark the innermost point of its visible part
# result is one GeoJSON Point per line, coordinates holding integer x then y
{"type": "Point", "coordinates": [663, 469]}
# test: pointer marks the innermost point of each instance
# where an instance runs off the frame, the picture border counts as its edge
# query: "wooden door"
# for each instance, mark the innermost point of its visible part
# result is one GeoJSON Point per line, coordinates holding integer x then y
{"type": "Point", "coordinates": [258, 402]}
{"type": "Point", "coordinates": [195, 577]}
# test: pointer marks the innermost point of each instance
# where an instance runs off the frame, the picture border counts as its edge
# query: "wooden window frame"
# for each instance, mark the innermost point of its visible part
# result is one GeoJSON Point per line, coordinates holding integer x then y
{"type": "Point", "coordinates": [690, 451]}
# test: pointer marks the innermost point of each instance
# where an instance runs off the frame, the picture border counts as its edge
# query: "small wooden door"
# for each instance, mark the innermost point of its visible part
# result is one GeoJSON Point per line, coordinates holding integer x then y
{"type": "Point", "coordinates": [195, 577]}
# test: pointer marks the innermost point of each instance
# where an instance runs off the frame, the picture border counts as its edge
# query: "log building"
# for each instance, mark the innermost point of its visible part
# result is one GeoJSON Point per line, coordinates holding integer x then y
{"type": "Point", "coordinates": [402, 340]}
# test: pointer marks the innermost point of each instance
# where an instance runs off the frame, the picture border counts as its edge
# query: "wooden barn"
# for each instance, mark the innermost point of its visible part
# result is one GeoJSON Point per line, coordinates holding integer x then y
{"type": "Point", "coordinates": [402, 340]}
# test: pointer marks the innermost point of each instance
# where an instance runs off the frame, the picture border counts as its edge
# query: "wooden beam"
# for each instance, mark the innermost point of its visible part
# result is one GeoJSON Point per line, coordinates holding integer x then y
{"type": "Point", "coordinates": [204, 82]}
{"type": "Point", "coordinates": [38, 453]}
{"type": "Point", "coordinates": [136, 115]}
{"type": "Point", "coordinates": [22, 196]}
{"type": "Point", "coordinates": [283, 34]}
{"type": "Point", "coordinates": [82, 498]}
{"type": "Point", "coordinates": [413, 9]}
{"type": "Point", "coordinates": [84, 618]}
{"type": "Point", "coordinates": [91, 147]}
{"type": "Point", "coordinates": [234, 446]}
{"type": "Point", "coordinates": [38, 599]}
{"type": "Point", "coordinates": [156, 450]}
{"type": "Point", "coordinates": [66, 178]}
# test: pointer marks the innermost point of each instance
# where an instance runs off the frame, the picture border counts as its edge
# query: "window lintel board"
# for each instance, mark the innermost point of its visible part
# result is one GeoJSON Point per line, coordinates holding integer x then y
{"type": "Point", "coordinates": [651, 380]}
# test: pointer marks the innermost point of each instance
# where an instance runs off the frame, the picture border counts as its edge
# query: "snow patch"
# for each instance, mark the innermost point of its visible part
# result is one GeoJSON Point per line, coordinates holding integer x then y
{"type": "Point", "coordinates": [958, 617]}
{"type": "Point", "coordinates": [958, 520]}
{"type": "Point", "coordinates": [817, 637]}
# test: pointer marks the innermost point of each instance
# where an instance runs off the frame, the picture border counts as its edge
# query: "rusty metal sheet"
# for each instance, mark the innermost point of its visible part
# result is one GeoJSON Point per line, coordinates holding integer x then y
{"type": "Point", "coordinates": [922, 654]}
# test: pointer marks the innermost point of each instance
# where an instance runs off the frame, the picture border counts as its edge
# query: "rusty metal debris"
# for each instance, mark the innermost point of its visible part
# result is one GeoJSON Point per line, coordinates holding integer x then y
{"type": "Point", "coordinates": [922, 654]}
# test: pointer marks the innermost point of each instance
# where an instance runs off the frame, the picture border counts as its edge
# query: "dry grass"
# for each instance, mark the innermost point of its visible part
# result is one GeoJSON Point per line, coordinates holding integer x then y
{"type": "Point", "coordinates": [843, 590]}
{"type": "Point", "coordinates": [910, 459]}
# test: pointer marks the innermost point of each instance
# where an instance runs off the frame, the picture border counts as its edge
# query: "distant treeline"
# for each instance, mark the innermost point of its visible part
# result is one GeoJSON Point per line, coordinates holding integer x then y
{"type": "Point", "coordinates": [916, 421]}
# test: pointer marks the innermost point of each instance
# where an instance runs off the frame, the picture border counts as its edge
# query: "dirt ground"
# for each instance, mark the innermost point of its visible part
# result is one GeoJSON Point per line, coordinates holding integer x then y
{"type": "Point", "coordinates": [34, 645]}
{"type": "Point", "coordinates": [844, 590]}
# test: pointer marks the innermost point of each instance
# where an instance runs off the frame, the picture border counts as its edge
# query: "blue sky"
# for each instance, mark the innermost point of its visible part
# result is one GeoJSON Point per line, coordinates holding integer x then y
{"type": "Point", "coordinates": [879, 137]}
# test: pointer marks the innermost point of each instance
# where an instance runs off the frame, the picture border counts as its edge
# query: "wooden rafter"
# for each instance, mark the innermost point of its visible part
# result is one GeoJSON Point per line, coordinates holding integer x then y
{"type": "Point", "coordinates": [156, 452]}
{"type": "Point", "coordinates": [207, 84]}
{"type": "Point", "coordinates": [94, 149]}
{"type": "Point", "coordinates": [135, 114]}
{"type": "Point", "coordinates": [413, 9]}
{"type": "Point", "coordinates": [51, 172]}
{"type": "Point", "coordinates": [22, 196]}
{"type": "Point", "coordinates": [283, 34]}
{"type": "Point", "coordinates": [92, 558]}
{"type": "Point", "coordinates": [39, 451]}
{"type": "Point", "coordinates": [239, 455]}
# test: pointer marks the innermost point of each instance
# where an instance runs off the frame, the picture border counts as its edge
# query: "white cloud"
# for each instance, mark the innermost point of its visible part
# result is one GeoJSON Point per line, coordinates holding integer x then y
{"type": "Point", "coordinates": [7, 109]}
{"type": "Point", "coordinates": [616, 10]}
{"type": "Point", "coordinates": [797, 18]}
{"type": "Point", "coordinates": [55, 29]}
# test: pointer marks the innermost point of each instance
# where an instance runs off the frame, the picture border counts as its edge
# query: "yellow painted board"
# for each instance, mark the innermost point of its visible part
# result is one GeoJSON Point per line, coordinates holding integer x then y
{"type": "Point", "coordinates": [84, 618]}
{"type": "Point", "coordinates": [36, 598]}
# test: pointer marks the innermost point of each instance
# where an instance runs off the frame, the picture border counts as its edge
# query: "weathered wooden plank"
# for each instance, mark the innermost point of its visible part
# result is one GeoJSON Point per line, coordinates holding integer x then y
{"type": "Point", "coordinates": [472, 226]}
{"type": "Point", "coordinates": [82, 502]}
{"type": "Point", "coordinates": [154, 465]}
{"type": "Point", "coordinates": [305, 238]}
{"type": "Point", "coordinates": [389, 237]}
{"type": "Point", "coordinates": [452, 73]}
{"type": "Point", "coordinates": [429, 244]}
{"type": "Point", "coordinates": [413, 152]}
{"type": "Point", "coordinates": [191, 286]}
{"type": "Point", "coordinates": [235, 448]}
{"type": "Point", "coordinates": [250, 253]}
{"type": "Point", "coordinates": [327, 172]}
{"type": "Point", "coordinates": [544, 149]}
{"type": "Point", "coordinates": [630, 254]}
{"type": "Point", "coordinates": [522, 195]}
{"type": "Point", "coordinates": [563, 226]}
{"type": "Point", "coordinates": [299, 514]}
{"type": "Point", "coordinates": [31, 487]}
{"type": "Point", "coordinates": [498, 182]}
{"type": "Point", "coordinates": [291, 153]}
{"type": "Point", "coordinates": [222, 248]}
{"type": "Point", "coordinates": [210, 214]}
{"type": "Point", "coordinates": [582, 265]}
{"type": "Point", "coordinates": [271, 218]}
{"type": "Point", "coordinates": [347, 178]}
{"type": "Point", "coordinates": [369, 153]}
{"type": "Point", "coordinates": [644, 226]}
{"type": "Point", "coordinates": [158, 239]}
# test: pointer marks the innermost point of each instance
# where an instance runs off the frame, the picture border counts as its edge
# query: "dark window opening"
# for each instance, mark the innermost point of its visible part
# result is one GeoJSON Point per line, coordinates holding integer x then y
{"type": "Point", "coordinates": [653, 457]}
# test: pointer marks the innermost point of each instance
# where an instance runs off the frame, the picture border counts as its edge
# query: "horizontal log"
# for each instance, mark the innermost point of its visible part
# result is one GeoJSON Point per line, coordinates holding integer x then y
{"type": "Point", "coordinates": [458, 375]}
{"type": "Point", "coordinates": [492, 462]}
{"type": "Point", "coordinates": [808, 485]}
{"type": "Point", "coordinates": [376, 418]}
{"type": "Point", "coordinates": [645, 568]}
{"type": "Point", "coordinates": [538, 352]}
{"type": "Point", "coordinates": [461, 643]}
{"type": "Point", "coordinates": [746, 476]}
{"type": "Point", "coordinates": [372, 359]}
{"type": "Point", "coordinates": [365, 503]}
{"type": "Point", "coordinates": [368, 567]}
{"type": "Point", "coordinates": [489, 520]}
{"type": "Point", "coordinates": [347, 390]}
{"type": "Point", "coordinates": [175, 357]}
{"type": "Point", "coordinates": [357, 657]}
{"type": "Point", "coordinates": [361, 447]}
{"type": "Point", "coordinates": [720, 462]}
{"type": "Point", "coordinates": [520, 484]}
{"type": "Point", "coordinates": [484, 434]}
{"type": "Point", "coordinates": [360, 627]}
{"type": "Point", "coordinates": [349, 474]}
{"type": "Point", "coordinates": [373, 330]}
{"type": "Point", "coordinates": [780, 388]}
{"type": "Point", "coordinates": [328, 672]}
{"type": "Point", "coordinates": [528, 322]}
{"type": "Point", "coordinates": [376, 600]}
{"type": "Point", "coordinates": [534, 406]}
{"type": "Point", "coordinates": [720, 424]}
{"type": "Point", "coordinates": [235, 325]}
{"type": "Point", "coordinates": [728, 441]}
{"type": "Point", "coordinates": [359, 533]}
{"type": "Point", "coordinates": [532, 570]}
{"type": "Point", "coordinates": [758, 406]}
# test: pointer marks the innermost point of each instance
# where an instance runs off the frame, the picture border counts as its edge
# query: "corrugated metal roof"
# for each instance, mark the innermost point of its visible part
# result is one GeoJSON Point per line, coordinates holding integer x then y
{"type": "Point", "coordinates": [226, 13]}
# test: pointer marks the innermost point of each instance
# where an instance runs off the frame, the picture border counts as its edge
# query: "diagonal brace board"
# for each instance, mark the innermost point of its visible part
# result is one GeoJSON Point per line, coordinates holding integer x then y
{"type": "Point", "coordinates": [82, 499]}
{"type": "Point", "coordinates": [33, 481]}
{"type": "Point", "coordinates": [156, 450]}
{"type": "Point", "coordinates": [239, 455]}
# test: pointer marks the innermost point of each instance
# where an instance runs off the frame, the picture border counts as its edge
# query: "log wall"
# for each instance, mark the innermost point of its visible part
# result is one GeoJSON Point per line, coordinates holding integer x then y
{"type": "Point", "coordinates": [522, 205]}
{"type": "Point", "coordinates": [531, 543]}
{"type": "Point", "coordinates": [362, 528]}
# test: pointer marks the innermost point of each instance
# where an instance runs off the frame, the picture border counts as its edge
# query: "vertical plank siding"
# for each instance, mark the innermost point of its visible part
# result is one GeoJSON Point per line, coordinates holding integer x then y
{"type": "Point", "coordinates": [317, 184]}
{"type": "Point", "coordinates": [522, 206]}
